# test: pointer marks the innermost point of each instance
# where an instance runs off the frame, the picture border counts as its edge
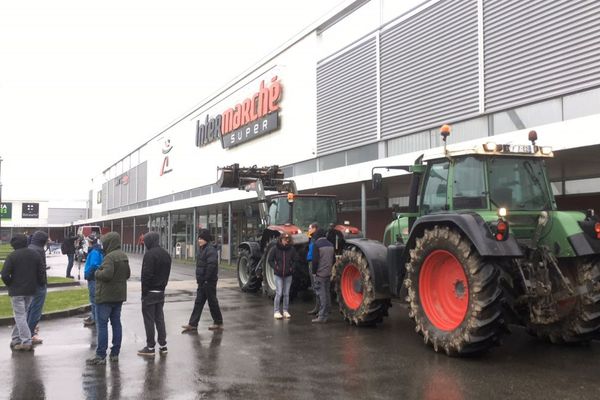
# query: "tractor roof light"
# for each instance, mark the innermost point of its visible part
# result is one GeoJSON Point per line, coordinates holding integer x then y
{"type": "Point", "coordinates": [445, 131]}
{"type": "Point", "coordinates": [490, 146]}
{"type": "Point", "coordinates": [502, 212]}
{"type": "Point", "coordinates": [546, 150]}
{"type": "Point", "coordinates": [290, 197]}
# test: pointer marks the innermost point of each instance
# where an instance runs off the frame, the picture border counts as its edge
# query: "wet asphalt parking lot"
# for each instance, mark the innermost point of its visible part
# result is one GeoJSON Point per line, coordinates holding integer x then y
{"type": "Point", "coordinates": [257, 357]}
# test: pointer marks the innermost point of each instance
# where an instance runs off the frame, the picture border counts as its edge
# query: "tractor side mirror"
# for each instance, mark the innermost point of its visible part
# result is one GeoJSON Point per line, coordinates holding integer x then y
{"type": "Point", "coordinates": [377, 182]}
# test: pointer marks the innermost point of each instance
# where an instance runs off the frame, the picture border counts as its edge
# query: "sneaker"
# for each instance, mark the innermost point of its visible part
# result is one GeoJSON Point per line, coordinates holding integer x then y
{"type": "Point", "coordinates": [96, 361]}
{"type": "Point", "coordinates": [37, 340]}
{"type": "Point", "coordinates": [215, 327]}
{"type": "Point", "coordinates": [113, 358]}
{"type": "Point", "coordinates": [318, 321]}
{"type": "Point", "coordinates": [89, 323]}
{"type": "Point", "coordinates": [23, 347]}
{"type": "Point", "coordinates": [163, 350]}
{"type": "Point", "coordinates": [13, 344]}
{"type": "Point", "coordinates": [188, 328]}
{"type": "Point", "coordinates": [277, 315]}
{"type": "Point", "coordinates": [287, 315]}
{"type": "Point", "coordinates": [147, 351]}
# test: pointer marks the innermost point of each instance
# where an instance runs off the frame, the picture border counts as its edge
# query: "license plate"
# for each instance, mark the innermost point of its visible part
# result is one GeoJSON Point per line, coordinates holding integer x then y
{"type": "Point", "coordinates": [519, 148]}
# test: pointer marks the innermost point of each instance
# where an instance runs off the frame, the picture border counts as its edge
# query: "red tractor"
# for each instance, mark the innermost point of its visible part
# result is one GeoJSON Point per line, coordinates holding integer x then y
{"type": "Point", "coordinates": [286, 211]}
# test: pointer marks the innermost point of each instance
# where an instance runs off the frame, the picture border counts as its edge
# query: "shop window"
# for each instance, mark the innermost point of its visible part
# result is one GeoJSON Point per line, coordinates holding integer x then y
{"type": "Point", "coordinates": [305, 167]}
{"type": "Point", "coordinates": [408, 144]}
{"type": "Point", "coordinates": [524, 117]}
{"type": "Point", "coordinates": [362, 154]}
{"type": "Point", "coordinates": [332, 161]}
{"type": "Point", "coordinates": [581, 104]}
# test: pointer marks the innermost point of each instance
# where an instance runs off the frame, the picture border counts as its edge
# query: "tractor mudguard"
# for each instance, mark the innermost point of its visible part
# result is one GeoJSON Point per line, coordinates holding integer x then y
{"type": "Point", "coordinates": [474, 227]}
{"type": "Point", "coordinates": [376, 254]}
{"type": "Point", "coordinates": [584, 244]}
{"type": "Point", "coordinates": [253, 248]}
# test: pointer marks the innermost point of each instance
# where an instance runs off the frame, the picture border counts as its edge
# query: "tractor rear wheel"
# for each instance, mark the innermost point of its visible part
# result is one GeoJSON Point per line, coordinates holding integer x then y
{"type": "Point", "coordinates": [246, 273]}
{"type": "Point", "coordinates": [355, 290]}
{"type": "Point", "coordinates": [268, 282]}
{"type": "Point", "coordinates": [580, 320]}
{"type": "Point", "coordinates": [454, 294]}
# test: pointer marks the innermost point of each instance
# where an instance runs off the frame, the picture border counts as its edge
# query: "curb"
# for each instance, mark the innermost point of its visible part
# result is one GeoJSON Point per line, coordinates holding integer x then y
{"type": "Point", "coordinates": [53, 315]}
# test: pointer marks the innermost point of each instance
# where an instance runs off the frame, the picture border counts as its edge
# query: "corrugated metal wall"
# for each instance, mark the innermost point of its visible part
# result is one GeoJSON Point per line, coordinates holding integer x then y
{"type": "Point", "coordinates": [347, 99]}
{"type": "Point", "coordinates": [535, 50]}
{"type": "Point", "coordinates": [429, 68]}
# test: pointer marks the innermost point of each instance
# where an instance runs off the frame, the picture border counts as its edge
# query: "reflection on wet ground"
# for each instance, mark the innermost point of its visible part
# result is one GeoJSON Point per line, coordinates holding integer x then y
{"type": "Point", "coordinates": [257, 357]}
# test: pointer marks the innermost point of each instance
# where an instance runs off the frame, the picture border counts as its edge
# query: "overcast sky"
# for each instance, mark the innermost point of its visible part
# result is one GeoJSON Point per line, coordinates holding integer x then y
{"type": "Point", "coordinates": [83, 83]}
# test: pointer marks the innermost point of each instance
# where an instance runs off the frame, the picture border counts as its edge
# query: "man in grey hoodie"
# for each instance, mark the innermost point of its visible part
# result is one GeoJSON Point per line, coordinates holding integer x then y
{"type": "Point", "coordinates": [38, 243]}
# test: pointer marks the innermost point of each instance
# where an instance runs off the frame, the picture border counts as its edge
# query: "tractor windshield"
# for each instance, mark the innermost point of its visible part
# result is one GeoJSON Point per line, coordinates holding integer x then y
{"type": "Point", "coordinates": [306, 211]}
{"type": "Point", "coordinates": [518, 183]}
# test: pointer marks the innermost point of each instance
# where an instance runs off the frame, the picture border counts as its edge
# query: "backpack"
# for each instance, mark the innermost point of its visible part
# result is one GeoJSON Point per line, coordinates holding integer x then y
{"type": "Point", "coordinates": [63, 248]}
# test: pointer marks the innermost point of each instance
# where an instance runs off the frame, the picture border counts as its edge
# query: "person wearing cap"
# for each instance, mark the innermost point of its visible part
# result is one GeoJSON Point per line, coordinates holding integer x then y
{"type": "Point", "coordinates": [92, 263]}
{"type": "Point", "coordinates": [283, 260]}
{"type": "Point", "coordinates": [23, 273]}
{"type": "Point", "coordinates": [207, 261]}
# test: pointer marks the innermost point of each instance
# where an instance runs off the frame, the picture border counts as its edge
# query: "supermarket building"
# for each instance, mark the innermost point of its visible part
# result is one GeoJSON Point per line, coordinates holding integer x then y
{"type": "Point", "coordinates": [369, 85]}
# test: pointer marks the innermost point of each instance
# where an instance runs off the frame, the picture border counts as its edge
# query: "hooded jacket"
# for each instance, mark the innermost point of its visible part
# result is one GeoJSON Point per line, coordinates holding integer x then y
{"type": "Point", "coordinates": [23, 271]}
{"type": "Point", "coordinates": [38, 243]}
{"type": "Point", "coordinates": [156, 265]}
{"type": "Point", "coordinates": [93, 260]}
{"type": "Point", "coordinates": [283, 259]}
{"type": "Point", "coordinates": [111, 277]}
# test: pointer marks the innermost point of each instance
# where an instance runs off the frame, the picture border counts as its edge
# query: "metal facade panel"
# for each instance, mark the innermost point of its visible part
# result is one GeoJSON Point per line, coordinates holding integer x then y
{"type": "Point", "coordinates": [347, 99]}
{"type": "Point", "coordinates": [142, 181]}
{"type": "Point", "coordinates": [429, 69]}
{"type": "Point", "coordinates": [539, 49]}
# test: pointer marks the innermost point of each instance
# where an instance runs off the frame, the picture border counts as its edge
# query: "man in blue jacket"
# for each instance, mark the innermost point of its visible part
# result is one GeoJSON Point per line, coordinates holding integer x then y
{"type": "Point", "coordinates": [92, 263]}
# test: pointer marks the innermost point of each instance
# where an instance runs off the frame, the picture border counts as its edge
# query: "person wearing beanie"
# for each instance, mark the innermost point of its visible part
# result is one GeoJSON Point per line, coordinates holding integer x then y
{"type": "Point", "coordinates": [207, 261]}
{"type": "Point", "coordinates": [23, 273]}
{"type": "Point", "coordinates": [38, 243]}
{"type": "Point", "coordinates": [156, 268]}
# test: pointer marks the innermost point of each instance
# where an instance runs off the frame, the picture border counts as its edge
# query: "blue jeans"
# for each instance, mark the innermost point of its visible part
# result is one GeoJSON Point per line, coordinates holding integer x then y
{"type": "Point", "coordinates": [21, 332]}
{"type": "Point", "coordinates": [104, 313]}
{"type": "Point", "coordinates": [322, 288]}
{"type": "Point", "coordinates": [70, 258]}
{"type": "Point", "coordinates": [34, 314]}
{"type": "Point", "coordinates": [282, 288]}
{"type": "Point", "coordinates": [92, 295]}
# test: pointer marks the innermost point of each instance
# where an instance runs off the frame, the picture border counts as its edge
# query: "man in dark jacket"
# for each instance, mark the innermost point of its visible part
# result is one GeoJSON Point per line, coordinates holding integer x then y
{"type": "Point", "coordinates": [111, 292]}
{"type": "Point", "coordinates": [323, 256]}
{"type": "Point", "coordinates": [22, 274]}
{"type": "Point", "coordinates": [207, 261]}
{"type": "Point", "coordinates": [69, 247]}
{"type": "Point", "coordinates": [156, 267]}
{"type": "Point", "coordinates": [34, 314]}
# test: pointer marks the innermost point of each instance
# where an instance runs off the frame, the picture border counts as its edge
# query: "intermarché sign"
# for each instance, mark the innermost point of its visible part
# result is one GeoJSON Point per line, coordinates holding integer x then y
{"type": "Point", "coordinates": [6, 210]}
{"type": "Point", "coordinates": [253, 117]}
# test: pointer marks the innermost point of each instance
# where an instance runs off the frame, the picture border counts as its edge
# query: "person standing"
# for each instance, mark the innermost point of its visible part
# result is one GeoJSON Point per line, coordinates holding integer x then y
{"type": "Point", "coordinates": [156, 268]}
{"type": "Point", "coordinates": [283, 260]}
{"type": "Point", "coordinates": [92, 263]}
{"type": "Point", "coordinates": [23, 273]}
{"type": "Point", "coordinates": [323, 256]}
{"type": "Point", "coordinates": [37, 243]}
{"type": "Point", "coordinates": [312, 228]}
{"type": "Point", "coordinates": [69, 250]}
{"type": "Point", "coordinates": [207, 270]}
{"type": "Point", "coordinates": [111, 292]}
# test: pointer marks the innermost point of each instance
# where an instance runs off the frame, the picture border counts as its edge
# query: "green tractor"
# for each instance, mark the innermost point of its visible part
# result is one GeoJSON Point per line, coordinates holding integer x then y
{"type": "Point", "coordinates": [481, 246]}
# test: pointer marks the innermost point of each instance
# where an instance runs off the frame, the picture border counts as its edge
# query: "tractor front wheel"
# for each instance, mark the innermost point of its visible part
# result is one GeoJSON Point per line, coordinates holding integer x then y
{"type": "Point", "coordinates": [356, 291]}
{"type": "Point", "coordinates": [454, 294]}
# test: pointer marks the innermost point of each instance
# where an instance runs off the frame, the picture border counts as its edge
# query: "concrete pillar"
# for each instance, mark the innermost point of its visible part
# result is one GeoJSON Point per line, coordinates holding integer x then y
{"type": "Point", "coordinates": [363, 208]}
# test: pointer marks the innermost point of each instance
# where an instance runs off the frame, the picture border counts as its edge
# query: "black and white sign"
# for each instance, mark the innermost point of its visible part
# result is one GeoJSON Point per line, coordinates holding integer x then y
{"type": "Point", "coordinates": [31, 210]}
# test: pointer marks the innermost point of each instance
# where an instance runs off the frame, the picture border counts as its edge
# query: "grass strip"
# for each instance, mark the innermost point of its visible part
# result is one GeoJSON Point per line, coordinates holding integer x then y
{"type": "Point", "coordinates": [55, 301]}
